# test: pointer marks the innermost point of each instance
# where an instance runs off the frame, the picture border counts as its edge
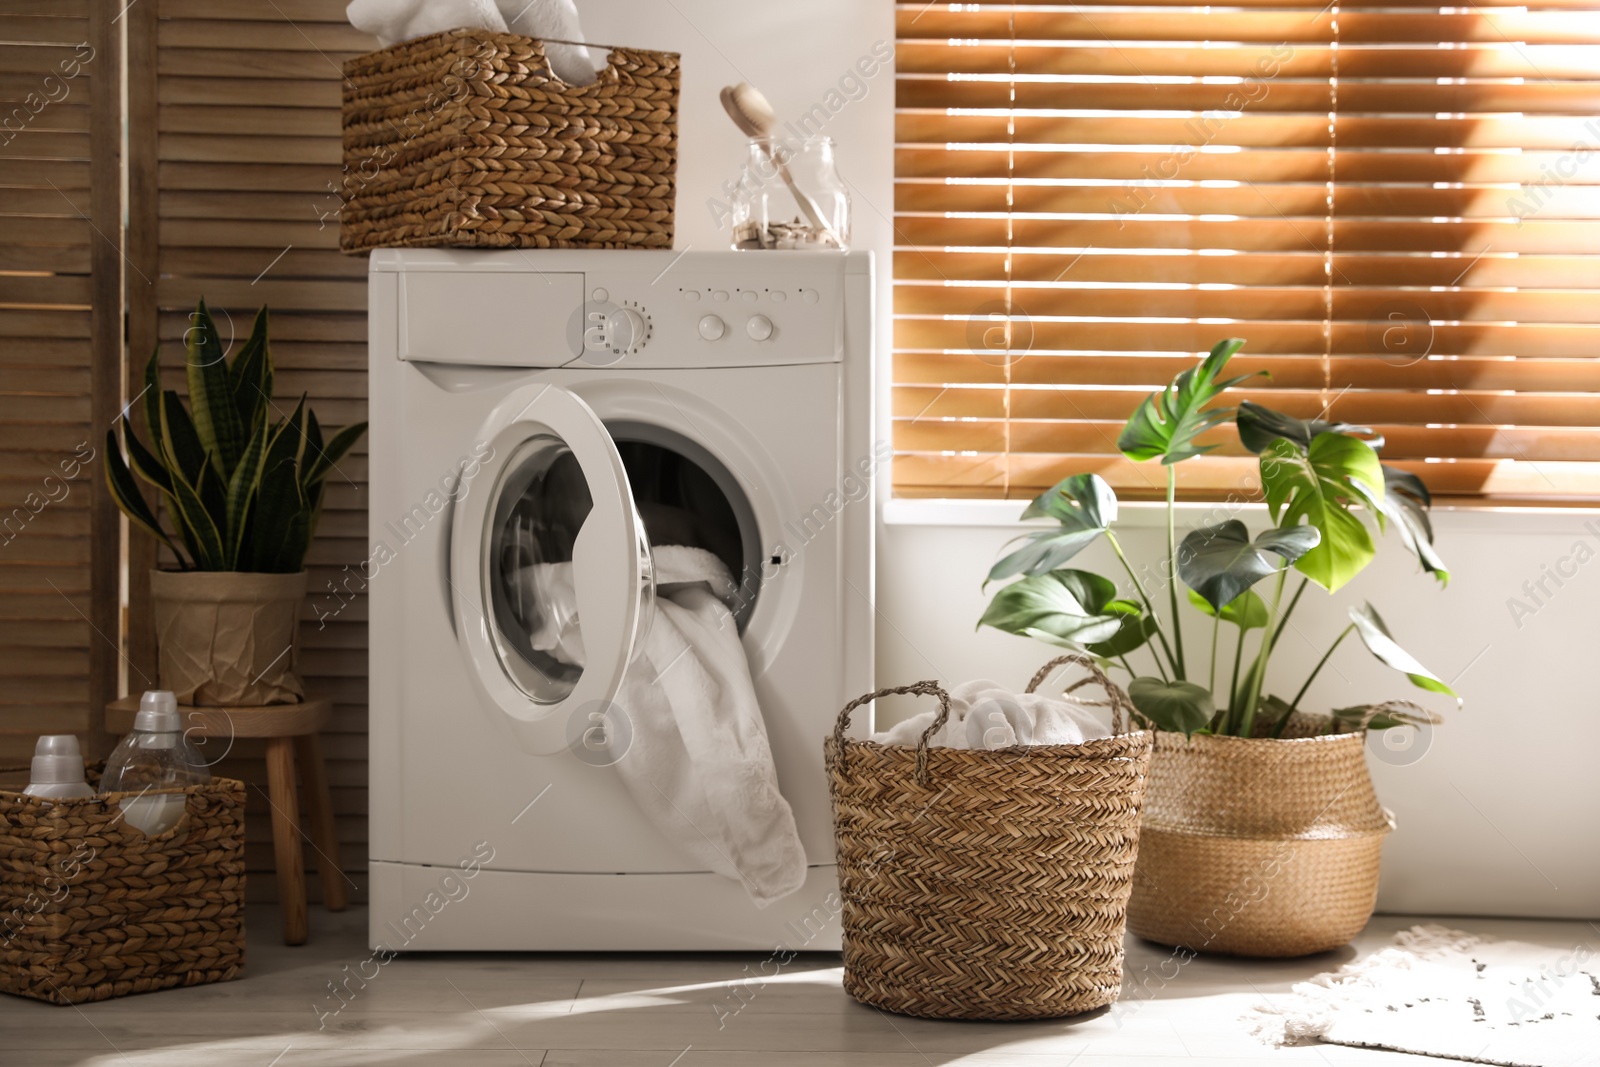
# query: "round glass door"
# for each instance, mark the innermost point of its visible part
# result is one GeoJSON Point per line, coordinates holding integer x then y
{"type": "Point", "coordinates": [539, 507]}
{"type": "Point", "coordinates": [554, 542]}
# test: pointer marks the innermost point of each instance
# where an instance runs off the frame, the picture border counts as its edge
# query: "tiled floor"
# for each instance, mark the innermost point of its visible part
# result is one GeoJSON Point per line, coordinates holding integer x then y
{"type": "Point", "coordinates": [657, 1011]}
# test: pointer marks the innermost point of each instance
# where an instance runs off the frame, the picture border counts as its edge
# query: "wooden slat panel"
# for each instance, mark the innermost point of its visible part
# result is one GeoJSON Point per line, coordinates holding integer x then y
{"type": "Point", "coordinates": [1033, 306]}
{"type": "Point", "coordinates": [1253, 199]}
{"type": "Point", "coordinates": [1150, 371]}
{"type": "Point", "coordinates": [32, 29]}
{"type": "Point", "coordinates": [235, 202]}
{"type": "Point", "coordinates": [1265, 165]}
{"type": "Point", "coordinates": [219, 92]}
{"type": "Point", "coordinates": [1466, 269]}
{"type": "Point", "coordinates": [60, 366]}
{"type": "Point", "coordinates": [1266, 338]}
{"type": "Point", "coordinates": [1354, 28]}
{"type": "Point", "coordinates": [1249, 129]}
{"type": "Point", "coordinates": [1497, 59]}
{"type": "Point", "coordinates": [1535, 234]}
{"type": "Point", "coordinates": [922, 91]}
{"type": "Point", "coordinates": [260, 121]}
{"type": "Point", "coordinates": [271, 35]}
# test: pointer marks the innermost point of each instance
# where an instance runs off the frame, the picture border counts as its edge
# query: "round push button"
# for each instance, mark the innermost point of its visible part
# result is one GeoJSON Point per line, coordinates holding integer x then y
{"type": "Point", "coordinates": [712, 327]}
{"type": "Point", "coordinates": [759, 327]}
{"type": "Point", "coordinates": [810, 296]}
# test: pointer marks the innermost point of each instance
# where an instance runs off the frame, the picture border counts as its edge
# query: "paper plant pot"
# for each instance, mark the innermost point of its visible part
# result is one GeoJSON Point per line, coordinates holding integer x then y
{"type": "Point", "coordinates": [1257, 846]}
{"type": "Point", "coordinates": [228, 638]}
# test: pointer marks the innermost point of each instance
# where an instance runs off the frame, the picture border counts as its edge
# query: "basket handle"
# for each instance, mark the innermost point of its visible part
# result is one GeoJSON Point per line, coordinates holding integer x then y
{"type": "Point", "coordinates": [604, 73]}
{"type": "Point", "coordinates": [928, 688]}
{"type": "Point", "coordinates": [1122, 710]}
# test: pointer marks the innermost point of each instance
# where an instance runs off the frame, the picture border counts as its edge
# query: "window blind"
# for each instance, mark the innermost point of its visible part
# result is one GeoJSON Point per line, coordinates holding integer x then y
{"type": "Point", "coordinates": [1395, 203]}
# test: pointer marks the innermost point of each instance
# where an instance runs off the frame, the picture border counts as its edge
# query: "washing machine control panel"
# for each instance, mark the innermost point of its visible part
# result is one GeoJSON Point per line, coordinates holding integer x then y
{"type": "Point", "coordinates": [645, 310]}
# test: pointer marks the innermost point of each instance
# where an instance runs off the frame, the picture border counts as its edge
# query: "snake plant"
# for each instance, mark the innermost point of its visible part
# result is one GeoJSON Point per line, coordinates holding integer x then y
{"type": "Point", "coordinates": [243, 492]}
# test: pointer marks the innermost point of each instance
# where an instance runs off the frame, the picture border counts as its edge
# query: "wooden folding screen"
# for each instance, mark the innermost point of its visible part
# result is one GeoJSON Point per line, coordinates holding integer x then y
{"type": "Point", "coordinates": [60, 367]}
{"type": "Point", "coordinates": [235, 160]}
{"type": "Point", "coordinates": [1397, 203]}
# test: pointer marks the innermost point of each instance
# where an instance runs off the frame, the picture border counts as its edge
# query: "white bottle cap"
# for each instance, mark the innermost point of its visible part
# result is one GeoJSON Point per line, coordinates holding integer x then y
{"type": "Point", "coordinates": [56, 759]}
{"type": "Point", "coordinates": [158, 713]}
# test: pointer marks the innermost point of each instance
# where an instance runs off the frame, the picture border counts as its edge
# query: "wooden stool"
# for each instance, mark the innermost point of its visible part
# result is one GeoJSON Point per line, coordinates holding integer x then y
{"type": "Point", "coordinates": [286, 728]}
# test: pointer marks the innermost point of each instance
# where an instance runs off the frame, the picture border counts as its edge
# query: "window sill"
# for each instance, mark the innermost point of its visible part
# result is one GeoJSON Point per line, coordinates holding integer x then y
{"type": "Point", "coordinates": [1003, 513]}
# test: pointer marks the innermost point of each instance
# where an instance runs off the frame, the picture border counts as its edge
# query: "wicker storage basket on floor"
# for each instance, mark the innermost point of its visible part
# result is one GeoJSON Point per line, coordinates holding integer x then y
{"type": "Point", "coordinates": [466, 138]}
{"type": "Point", "coordinates": [986, 884]}
{"type": "Point", "coordinates": [1258, 846]}
{"type": "Point", "coordinates": [93, 908]}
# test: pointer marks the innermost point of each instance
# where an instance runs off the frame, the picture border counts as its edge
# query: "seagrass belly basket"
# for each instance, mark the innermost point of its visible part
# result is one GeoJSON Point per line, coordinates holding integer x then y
{"type": "Point", "coordinates": [986, 884]}
{"type": "Point", "coordinates": [1258, 846]}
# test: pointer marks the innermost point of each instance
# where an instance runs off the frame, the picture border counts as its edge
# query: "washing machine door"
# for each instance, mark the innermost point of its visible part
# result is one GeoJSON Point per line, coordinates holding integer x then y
{"type": "Point", "coordinates": [550, 569]}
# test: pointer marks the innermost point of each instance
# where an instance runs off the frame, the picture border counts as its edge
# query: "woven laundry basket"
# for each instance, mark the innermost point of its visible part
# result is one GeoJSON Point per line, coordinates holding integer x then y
{"type": "Point", "coordinates": [465, 138]}
{"type": "Point", "coordinates": [986, 884]}
{"type": "Point", "coordinates": [92, 908]}
{"type": "Point", "coordinates": [1258, 846]}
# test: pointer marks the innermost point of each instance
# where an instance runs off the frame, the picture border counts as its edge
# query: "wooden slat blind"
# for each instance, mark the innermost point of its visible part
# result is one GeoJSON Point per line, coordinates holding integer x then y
{"type": "Point", "coordinates": [1397, 204]}
{"type": "Point", "coordinates": [236, 153]}
{"type": "Point", "coordinates": [60, 369]}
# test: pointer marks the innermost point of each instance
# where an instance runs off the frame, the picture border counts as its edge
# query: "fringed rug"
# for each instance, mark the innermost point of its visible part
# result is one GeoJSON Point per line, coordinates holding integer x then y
{"type": "Point", "coordinates": [1442, 992]}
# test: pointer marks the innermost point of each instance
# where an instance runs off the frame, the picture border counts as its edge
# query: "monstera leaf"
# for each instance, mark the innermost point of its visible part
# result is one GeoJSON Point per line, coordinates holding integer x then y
{"type": "Point", "coordinates": [1137, 628]}
{"type": "Point", "coordinates": [1375, 635]}
{"type": "Point", "coordinates": [1318, 486]}
{"type": "Point", "coordinates": [1406, 500]}
{"type": "Point", "coordinates": [1247, 610]}
{"type": "Point", "coordinates": [1083, 506]}
{"type": "Point", "coordinates": [1167, 422]}
{"type": "Point", "coordinates": [1220, 562]}
{"type": "Point", "coordinates": [1073, 609]}
{"type": "Point", "coordinates": [1181, 707]}
{"type": "Point", "coordinates": [1260, 426]}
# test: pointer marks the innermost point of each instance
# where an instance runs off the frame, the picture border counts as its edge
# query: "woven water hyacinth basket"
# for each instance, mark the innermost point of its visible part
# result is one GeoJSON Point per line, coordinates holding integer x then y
{"type": "Point", "coordinates": [1258, 846]}
{"type": "Point", "coordinates": [92, 908]}
{"type": "Point", "coordinates": [986, 884]}
{"type": "Point", "coordinates": [465, 138]}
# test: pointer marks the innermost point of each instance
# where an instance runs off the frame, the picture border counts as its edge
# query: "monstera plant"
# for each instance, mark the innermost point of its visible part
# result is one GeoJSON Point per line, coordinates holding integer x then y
{"type": "Point", "coordinates": [1261, 828]}
{"type": "Point", "coordinates": [1327, 495]}
{"type": "Point", "coordinates": [241, 484]}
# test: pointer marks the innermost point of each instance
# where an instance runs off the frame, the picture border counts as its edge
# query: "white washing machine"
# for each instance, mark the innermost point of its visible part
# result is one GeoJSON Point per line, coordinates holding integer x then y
{"type": "Point", "coordinates": [558, 406]}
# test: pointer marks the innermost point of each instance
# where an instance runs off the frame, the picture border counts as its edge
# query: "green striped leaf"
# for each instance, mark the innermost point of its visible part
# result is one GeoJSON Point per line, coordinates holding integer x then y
{"type": "Point", "coordinates": [143, 463]}
{"type": "Point", "coordinates": [216, 418]}
{"type": "Point", "coordinates": [327, 459]}
{"type": "Point", "coordinates": [242, 493]}
{"type": "Point", "coordinates": [250, 377]}
{"type": "Point", "coordinates": [125, 491]}
{"type": "Point", "coordinates": [202, 535]}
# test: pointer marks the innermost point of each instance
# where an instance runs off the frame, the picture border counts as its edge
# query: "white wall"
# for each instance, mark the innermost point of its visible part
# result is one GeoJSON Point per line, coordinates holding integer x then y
{"type": "Point", "coordinates": [1499, 809]}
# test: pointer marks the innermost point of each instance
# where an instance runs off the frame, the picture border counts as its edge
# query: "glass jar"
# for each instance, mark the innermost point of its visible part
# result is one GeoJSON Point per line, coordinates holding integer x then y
{"type": "Point", "coordinates": [790, 196]}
